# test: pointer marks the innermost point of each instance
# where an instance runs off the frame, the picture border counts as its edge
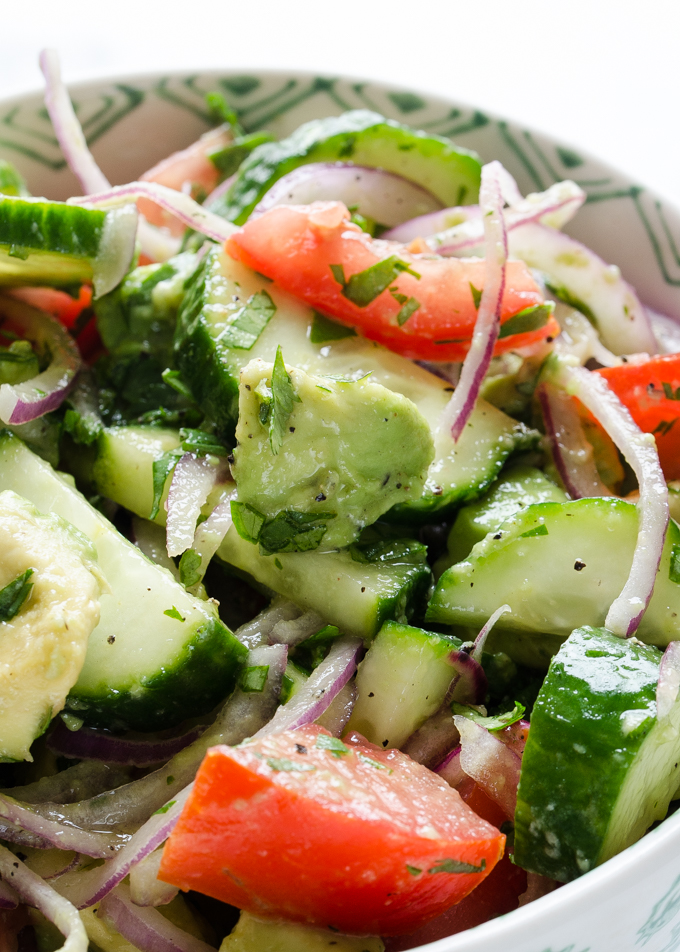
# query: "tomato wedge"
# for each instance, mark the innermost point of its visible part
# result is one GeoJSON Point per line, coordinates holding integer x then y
{"type": "Point", "coordinates": [58, 303]}
{"type": "Point", "coordinates": [651, 391]}
{"type": "Point", "coordinates": [421, 306]}
{"type": "Point", "coordinates": [298, 825]}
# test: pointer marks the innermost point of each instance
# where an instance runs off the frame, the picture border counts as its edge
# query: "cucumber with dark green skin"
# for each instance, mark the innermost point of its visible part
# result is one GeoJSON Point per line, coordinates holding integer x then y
{"type": "Point", "coordinates": [158, 654]}
{"type": "Point", "coordinates": [217, 297]}
{"type": "Point", "coordinates": [558, 566]}
{"type": "Point", "coordinates": [355, 596]}
{"type": "Point", "coordinates": [598, 768]}
{"type": "Point", "coordinates": [363, 138]}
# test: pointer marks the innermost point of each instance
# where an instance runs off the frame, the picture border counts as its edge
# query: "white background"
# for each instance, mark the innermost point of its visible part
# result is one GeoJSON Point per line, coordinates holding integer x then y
{"type": "Point", "coordinates": [603, 75]}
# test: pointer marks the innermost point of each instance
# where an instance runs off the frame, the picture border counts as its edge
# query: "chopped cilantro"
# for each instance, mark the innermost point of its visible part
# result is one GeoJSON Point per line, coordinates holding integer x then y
{"type": "Point", "coordinates": [314, 649]}
{"type": "Point", "coordinates": [13, 596]}
{"type": "Point", "coordinates": [323, 329]}
{"type": "Point", "coordinates": [541, 530]}
{"type": "Point", "coordinates": [247, 520]}
{"type": "Point", "coordinates": [253, 679]}
{"type": "Point", "coordinates": [373, 763]}
{"type": "Point", "coordinates": [333, 744]}
{"type": "Point", "coordinates": [201, 443]}
{"type": "Point", "coordinates": [413, 870]}
{"type": "Point", "coordinates": [162, 467]}
{"type": "Point", "coordinates": [173, 379]}
{"type": "Point", "coordinates": [530, 319]}
{"type": "Point", "coordinates": [248, 322]}
{"type": "Point", "coordinates": [669, 393]}
{"type": "Point", "coordinates": [291, 531]}
{"type": "Point", "coordinates": [284, 764]}
{"type": "Point", "coordinates": [190, 568]}
{"type": "Point", "coordinates": [220, 111]}
{"type": "Point", "coordinates": [277, 563]}
{"type": "Point", "coordinates": [455, 866]}
{"type": "Point", "coordinates": [84, 428]}
{"type": "Point", "coordinates": [339, 274]}
{"type": "Point", "coordinates": [173, 613]}
{"type": "Point", "coordinates": [476, 295]}
{"type": "Point", "coordinates": [165, 808]}
{"type": "Point", "coordinates": [365, 286]}
{"type": "Point", "coordinates": [407, 310]}
{"type": "Point", "coordinates": [386, 550]}
{"type": "Point", "coordinates": [283, 398]}
{"type": "Point", "coordinates": [674, 570]}
{"type": "Point", "coordinates": [496, 723]}
{"type": "Point", "coordinates": [228, 158]}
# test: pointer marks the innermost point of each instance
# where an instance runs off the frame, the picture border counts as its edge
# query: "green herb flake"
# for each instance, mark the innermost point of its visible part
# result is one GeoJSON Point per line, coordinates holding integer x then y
{"type": "Point", "coordinates": [541, 530]}
{"type": "Point", "coordinates": [201, 443]}
{"type": "Point", "coordinates": [413, 870]}
{"type": "Point", "coordinates": [386, 550]}
{"type": "Point", "coordinates": [365, 286]}
{"type": "Point", "coordinates": [456, 866]}
{"type": "Point", "coordinates": [190, 568]}
{"type": "Point", "coordinates": [291, 531]}
{"type": "Point", "coordinates": [408, 310]}
{"type": "Point", "coordinates": [165, 808]}
{"type": "Point", "coordinates": [665, 426]}
{"type": "Point", "coordinates": [13, 596]}
{"type": "Point", "coordinates": [332, 744]}
{"type": "Point", "coordinates": [530, 319]}
{"type": "Point", "coordinates": [174, 380]}
{"type": "Point", "coordinates": [169, 780]}
{"type": "Point", "coordinates": [476, 295]}
{"type": "Point", "coordinates": [284, 764]}
{"type": "Point", "coordinates": [283, 398]}
{"type": "Point", "coordinates": [373, 763]}
{"type": "Point", "coordinates": [245, 327]}
{"type": "Point", "coordinates": [674, 570]}
{"type": "Point", "coordinates": [162, 467]}
{"type": "Point", "coordinates": [496, 723]}
{"type": "Point", "coordinates": [277, 563]}
{"type": "Point", "coordinates": [247, 520]}
{"type": "Point", "coordinates": [314, 649]}
{"type": "Point", "coordinates": [84, 428]}
{"type": "Point", "coordinates": [339, 274]}
{"type": "Point", "coordinates": [323, 329]}
{"type": "Point", "coordinates": [669, 393]}
{"type": "Point", "coordinates": [173, 613]}
{"type": "Point", "coordinates": [287, 685]}
{"type": "Point", "coordinates": [220, 111]}
{"type": "Point", "coordinates": [253, 679]}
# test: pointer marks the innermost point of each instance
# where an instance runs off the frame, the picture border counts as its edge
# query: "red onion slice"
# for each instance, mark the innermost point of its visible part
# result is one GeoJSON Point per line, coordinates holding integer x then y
{"type": "Point", "coordinates": [620, 318]}
{"type": "Point", "coordinates": [571, 451]}
{"type": "Point", "coordinates": [8, 898]}
{"type": "Point", "coordinates": [666, 332]}
{"type": "Point", "coordinates": [75, 783]}
{"type": "Point", "coordinates": [450, 768]}
{"type": "Point", "coordinates": [293, 631]}
{"type": "Point", "coordinates": [210, 534]}
{"type": "Point", "coordinates": [150, 539]}
{"type": "Point", "coordinates": [22, 402]}
{"type": "Point", "coordinates": [668, 686]}
{"type": "Point", "coordinates": [256, 632]}
{"type": "Point", "coordinates": [383, 196]}
{"type": "Point", "coordinates": [484, 337]}
{"type": "Point", "coordinates": [35, 892]}
{"type": "Point", "coordinates": [336, 716]}
{"type": "Point", "coordinates": [55, 833]}
{"type": "Point", "coordinates": [469, 686]}
{"type": "Point", "coordinates": [323, 685]}
{"type": "Point", "coordinates": [145, 927]}
{"type": "Point", "coordinates": [180, 205]}
{"type": "Point", "coordinates": [88, 744]}
{"type": "Point", "coordinates": [640, 451]}
{"type": "Point", "coordinates": [146, 889]}
{"type": "Point", "coordinates": [490, 763]}
{"type": "Point", "coordinates": [480, 640]}
{"type": "Point", "coordinates": [83, 889]}
{"type": "Point", "coordinates": [431, 743]}
{"type": "Point", "coordinates": [192, 480]}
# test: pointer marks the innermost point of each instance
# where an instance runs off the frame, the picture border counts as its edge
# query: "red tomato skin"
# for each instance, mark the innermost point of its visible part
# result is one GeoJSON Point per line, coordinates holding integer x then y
{"type": "Point", "coordinates": [640, 388]}
{"type": "Point", "coordinates": [249, 836]}
{"type": "Point", "coordinates": [295, 246]}
{"type": "Point", "coordinates": [58, 303]}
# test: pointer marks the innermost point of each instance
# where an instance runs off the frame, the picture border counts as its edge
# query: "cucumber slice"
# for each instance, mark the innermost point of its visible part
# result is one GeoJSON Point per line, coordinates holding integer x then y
{"type": "Point", "coordinates": [123, 468]}
{"type": "Point", "coordinates": [364, 138]}
{"type": "Point", "coordinates": [518, 487]}
{"type": "Point", "coordinates": [54, 243]}
{"type": "Point", "coordinates": [158, 655]}
{"type": "Point", "coordinates": [222, 292]}
{"type": "Point", "coordinates": [400, 683]}
{"type": "Point", "coordinates": [558, 565]}
{"type": "Point", "coordinates": [357, 597]}
{"type": "Point", "coordinates": [598, 768]}
{"type": "Point", "coordinates": [268, 935]}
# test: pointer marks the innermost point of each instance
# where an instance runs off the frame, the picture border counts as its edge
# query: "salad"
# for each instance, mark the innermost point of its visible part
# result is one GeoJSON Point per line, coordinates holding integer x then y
{"type": "Point", "coordinates": [339, 588]}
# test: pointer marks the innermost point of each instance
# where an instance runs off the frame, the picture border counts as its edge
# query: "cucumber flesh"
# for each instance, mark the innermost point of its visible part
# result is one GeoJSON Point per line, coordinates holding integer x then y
{"type": "Point", "coordinates": [158, 655]}
{"type": "Point", "coordinates": [598, 768]}
{"type": "Point", "coordinates": [400, 683]}
{"type": "Point", "coordinates": [54, 243]}
{"type": "Point", "coordinates": [363, 137]}
{"type": "Point", "coordinates": [558, 566]}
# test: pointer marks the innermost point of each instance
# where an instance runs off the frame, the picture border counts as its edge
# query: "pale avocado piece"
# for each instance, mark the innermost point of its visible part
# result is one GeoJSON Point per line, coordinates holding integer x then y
{"type": "Point", "coordinates": [264, 935]}
{"type": "Point", "coordinates": [518, 487]}
{"type": "Point", "coordinates": [49, 606]}
{"type": "Point", "coordinates": [318, 458]}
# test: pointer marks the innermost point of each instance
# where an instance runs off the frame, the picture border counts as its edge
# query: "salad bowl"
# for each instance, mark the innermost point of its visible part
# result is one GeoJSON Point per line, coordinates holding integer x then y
{"type": "Point", "coordinates": [632, 902]}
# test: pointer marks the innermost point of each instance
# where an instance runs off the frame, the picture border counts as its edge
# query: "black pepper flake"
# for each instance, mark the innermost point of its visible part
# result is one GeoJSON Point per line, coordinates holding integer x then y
{"type": "Point", "coordinates": [385, 742]}
{"type": "Point", "coordinates": [471, 584]}
{"type": "Point", "coordinates": [371, 694]}
{"type": "Point", "coordinates": [437, 491]}
{"type": "Point", "coordinates": [292, 429]}
{"type": "Point", "coordinates": [363, 589]}
{"type": "Point", "coordinates": [230, 459]}
{"type": "Point", "coordinates": [398, 485]}
{"type": "Point", "coordinates": [549, 340]}
{"type": "Point", "coordinates": [579, 565]}
{"type": "Point", "coordinates": [301, 749]}
{"type": "Point", "coordinates": [247, 386]}
{"type": "Point", "coordinates": [498, 535]}
{"type": "Point", "coordinates": [321, 497]}
{"type": "Point", "coordinates": [386, 480]}
{"type": "Point", "coordinates": [111, 639]}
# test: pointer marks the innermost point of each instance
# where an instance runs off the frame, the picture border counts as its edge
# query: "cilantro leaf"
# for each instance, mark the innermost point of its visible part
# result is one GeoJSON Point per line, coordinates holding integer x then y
{"type": "Point", "coordinates": [314, 649]}
{"type": "Point", "coordinates": [339, 274]}
{"type": "Point", "coordinates": [173, 379]}
{"type": "Point", "coordinates": [323, 329]}
{"type": "Point", "coordinates": [190, 568]}
{"type": "Point", "coordinates": [476, 295]}
{"type": "Point", "coordinates": [84, 428]}
{"type": "Point", "coordinates": [228, 158]}
{"type": "Point", "coordinates": [162, 467]}
{"type": "Point", "coordinates": [333, 744]}
{"type": "Point", "coordinates": [455, 866]}
{"type": "Point", "coordinates": [496, 723]}
{"type": "Point", "coordinates": [220, 111]}
{"type": "Point", "coordinates": [413, 870]}
{"type": "Point", "coordinates": [530, 319]}
{"type": "Point", "coordinates": [13, 596]}
{"type": "Point", "coordinates": [283, 398]}
{"type": "Point", "coordinates": [541, 530]}
{"type": "Point", "coordinates": [174, 613]}
{"type": "Point", "coordinates": [248, 521]}
{"type": "Point", "coordinates": [365, 286]}
{"type": "Point", "coordinates": [373, 763]}
{"type": "Point", "coordinates": [201, 443]}
{"type": "Point", "coordinates": [386, 550]}
{"type": "Point", "coordinates": [407, 310]}
{"type": "Point", "coordinates": [291, 531]}
{"type": "Point", "coordinates": [253, 679]}
{"type": "Point", "coordinates": [165, 808]}
{"type": "Point", "coordinates": [283, 763]}
{"type": "Point", "coordinates": [249, 321]}
{"type": "Point", "coordinates": [674, 569]}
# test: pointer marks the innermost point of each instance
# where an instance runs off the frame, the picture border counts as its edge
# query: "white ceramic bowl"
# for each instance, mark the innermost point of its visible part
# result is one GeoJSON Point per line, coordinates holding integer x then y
{"type": "Point", "coordinates": [631, 902]}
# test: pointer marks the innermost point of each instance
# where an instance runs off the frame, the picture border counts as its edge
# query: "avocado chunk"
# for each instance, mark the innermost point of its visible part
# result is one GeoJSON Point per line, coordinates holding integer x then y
{"type": "Point", "coordinates": [49, 606]}
{"type": "Point", "coordinates": [269, 935]}
{"type": "Point", "coordinates": [450, 172]}
{"type": "Point", "coordinates": [318, 458]}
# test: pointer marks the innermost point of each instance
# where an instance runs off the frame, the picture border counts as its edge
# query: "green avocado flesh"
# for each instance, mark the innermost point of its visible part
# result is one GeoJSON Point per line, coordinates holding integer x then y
{"type": "Point", "coordinates": [558, 566]}
{"type": "Point", "coordinates": [226, 321]}
{"type": "Point", "coordinates": [346, 452]}
{"type": "Point", "coordinates": [363, 138]}
{"type": "Point", "coordinates": [599, 767]}
{"type": "Point", "coordinates": [158, 655]}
